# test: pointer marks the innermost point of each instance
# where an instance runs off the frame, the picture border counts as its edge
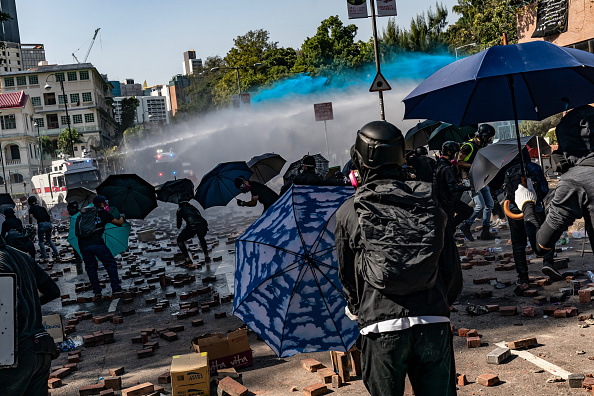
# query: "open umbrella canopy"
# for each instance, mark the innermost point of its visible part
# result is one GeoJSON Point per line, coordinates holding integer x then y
{"type": "Point", "coordinates": [446, 132]}
{"type": "Point", "coordinates": [265, 167]}
{"type": "Point", "coordinates": [295, 167]}
{"type": "Point", "coordinates": [286, 279]}
{"type": "Point", "coordinates": [131, 194]}
{"type": "Point", "coordinates": [82, 195]}
{"type": "Point", "coordinates": [418, 135]}
{"type": "Point", "coordinates": [6, 201]}
{"type": "Point", "coordinates": [116, 238]}
{"type": "Point", "coordinates": [491, 159]}
{"type": "Point", "coordinates": [176, 191]}
{"type": "Point", "coordinates": [59, 211]}
{"type": "Point", "coordinates": [217, 187]}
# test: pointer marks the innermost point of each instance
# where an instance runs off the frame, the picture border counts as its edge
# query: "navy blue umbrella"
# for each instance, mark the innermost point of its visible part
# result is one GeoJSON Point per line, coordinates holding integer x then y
{"type": "Point", "coordinates": [529, 81]}
{"type": "Point", "coordinates": [217, 187]}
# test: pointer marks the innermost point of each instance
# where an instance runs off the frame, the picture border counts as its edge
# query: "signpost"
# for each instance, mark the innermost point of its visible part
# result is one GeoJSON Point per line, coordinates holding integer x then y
{"type": "Point", "coordinates": [323, 112]}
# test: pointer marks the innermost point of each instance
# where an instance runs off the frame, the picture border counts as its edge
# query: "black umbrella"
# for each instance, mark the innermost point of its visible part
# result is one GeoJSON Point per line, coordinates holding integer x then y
{"type": "Point", "coordinates": [448, 132]}
{"type": "Point", "coordinates": [131, 194]}
{"type": "Point", "coordinates": [83, 196]}
{"type": "Point", "coordinates": [295, 167]}
{"type": "Point", "coordinates": [265, 167]}
{"type": "Point", "coordinates": [419, 134]}
{"type": "Point", "coordinates": [176, 191]}
{"type": "Point", "coordinates": [6, 201]}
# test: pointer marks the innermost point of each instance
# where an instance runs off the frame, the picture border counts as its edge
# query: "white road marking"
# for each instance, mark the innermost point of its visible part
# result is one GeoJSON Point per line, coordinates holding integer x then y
{"type": "Point", "coordinates": [543, 364]}
{"type": "Point", "coordinates": [113, 305]}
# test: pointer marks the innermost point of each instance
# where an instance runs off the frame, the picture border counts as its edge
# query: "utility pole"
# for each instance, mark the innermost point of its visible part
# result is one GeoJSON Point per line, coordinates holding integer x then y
{"type": "Point", "coordinates": [377, 58]}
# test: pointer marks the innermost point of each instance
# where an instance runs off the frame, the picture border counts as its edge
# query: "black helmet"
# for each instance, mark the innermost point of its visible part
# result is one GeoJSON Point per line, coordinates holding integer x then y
{"type": "Point", "coordinates": [379, 143]}
{"type": "Point", "coordinates": [32, 200]}
{"type": "Point", "coordinates": [575, 133]}
{"type": "Point", "coordinates": [239, 181]}
{"type": "Point", "coordinates": [485, 132]}
{"type": "Point", "coordinates": [309, 161]}
{"type": "Point", "coordinates": [421, 151]}
{"type": "Point", "coordinates": [9, 212]}
{"type": "Point", "coordinates": [450, 148]}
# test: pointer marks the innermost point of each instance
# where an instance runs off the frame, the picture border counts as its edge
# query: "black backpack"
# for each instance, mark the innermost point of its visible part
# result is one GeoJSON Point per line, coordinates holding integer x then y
{"type": "Point", "coordinates": [18, 239]}
{"type": "Point", "coordinates": [86, 222]}
{"type": "Point", "coordinates": [402, 230]}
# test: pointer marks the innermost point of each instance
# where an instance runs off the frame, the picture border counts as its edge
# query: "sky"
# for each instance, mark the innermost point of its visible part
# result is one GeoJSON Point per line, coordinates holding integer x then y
{"type": "Point", "coordinates": [145, 39]}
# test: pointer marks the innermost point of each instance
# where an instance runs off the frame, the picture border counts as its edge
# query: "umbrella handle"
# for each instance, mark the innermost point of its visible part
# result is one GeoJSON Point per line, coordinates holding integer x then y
{"type": "Point", "coordinates": [509, 213]}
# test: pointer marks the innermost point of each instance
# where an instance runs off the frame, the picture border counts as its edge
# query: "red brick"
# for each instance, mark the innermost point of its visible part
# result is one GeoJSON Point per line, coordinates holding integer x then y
{"type": "Point", "coordinates": [60, 373]}
{"type": "Point", "coordinates": [326, 375]}
{"type": "Point", "coordinates": [508, 311]}
{"type": "Point", "coordinates": [315, 390]}
{"type": "Point", "coordinates": [176, 328]}
{"type": "Point", "coordinates": [116, 371]}
{"type": "Point", "coordinates": [488, 379]}
{"type": "Point", "coordinates": [336, 381]}
{"type": "Point", "coordinates": [463, 332]}
{"type": "Point", "coordinates": [71, 366]}
{"type": "Point", "coordinates": [539, 300]}
{"type": "Point", "coordinates": [473, 342]}
{"type": "Point", "coordinates": [523, 343]}
{"type": "Point", "coordinates": [164, 378]}
{"type": "Point", "coordinates": [560, 313]}
{"type": "Point", "coordinates": [169, 336]}
{"type": "Point", "coordinates": [233, 388]}
{"type": "Point", "coordinates": [492, 308]}
{"type": "Point", "coordinates": [528, 311]}
{"type": "Point", "coordinates": [91, 389]}
{"type": "Point", "coordinates": [114, 383]}
{"type": "Point", "coordinates": [462, 380]}
{"type": "Point", "coordinates": [139, 390]}
{"type": "Point", "coordinates": [107, 392]}
{"type": "Point", "coordinates": [54, 383]}
{"type": "Point", "coordinates": [571, 311]}
{"type": "Point", "coordinates": [530, 293]}
{"type": "Point", "coordinates": [220, 315]}
{"type": "Point", "coordinates": [73, 359]}
{"type": "Point", "coordinates": [197, 322]}
{"type": "Point", "coordinates": [483, 294]}
{"type": "Point", "coordinates": [312, 365]}
{"type": "Point", "coordinates": [472, 333]}
{"type": "Point", "coordinates": [144, 353]}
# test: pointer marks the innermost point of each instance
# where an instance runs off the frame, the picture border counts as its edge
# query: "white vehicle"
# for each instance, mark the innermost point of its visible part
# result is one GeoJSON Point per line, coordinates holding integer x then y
{"type": "Point", "coordinates": [51, 188]}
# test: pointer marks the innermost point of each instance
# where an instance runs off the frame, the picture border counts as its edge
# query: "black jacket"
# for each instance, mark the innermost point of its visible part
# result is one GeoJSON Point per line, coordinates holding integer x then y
{"type": "Point", "coordinates": [373, 306]}
{"type": "Point", "coordinates": [192, 217]}
{"type": "Point", "coordinates": [308, 178]}
{"type": "Point", "coordinates": [447, 185]}
{"type": "Point", "coordinates": [423, 167]}
{"type": "Point", "coordinates": [11, 223]}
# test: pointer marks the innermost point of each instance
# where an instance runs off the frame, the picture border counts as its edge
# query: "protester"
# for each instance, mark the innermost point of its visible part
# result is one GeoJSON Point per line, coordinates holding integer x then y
{"type": "Point", "coordinates": [449, 188]}
{"type": "Point", "coordinates": [36, 348]}
{"type": "Point", "coordinates": [336, 178]}
{"type": "Point", "coordinates": [44, 227]}
{"type": "Point", "coordinates": [260, 193]}
{"type": "Point", "coordinates": [89, 228]}
{"type": "Point", "coordinates": [308, 175]}
{"type": "Point", "coordinates": [10, 222]}
{"type": "Point", "coordinates": [14, 234]}
{"type": "Point", "coordinates": [483, 202]}
{"type": "Point", "coordinates": [422, 165]}
{"type": "Point", "coordinates": [196, 225]}
{"type": "Point", "coordinates": [73, 209]}
{"type": "Point", "coordinates": [574, 196]}
{"type": "Point", "coordinates": [397, 283]}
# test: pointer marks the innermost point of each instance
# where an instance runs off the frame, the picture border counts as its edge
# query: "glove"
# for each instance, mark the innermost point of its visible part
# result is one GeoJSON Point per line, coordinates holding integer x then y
{"type": "Point", "coordinates": [525, 194]}
{"type": "Point", "coordinates": [454, 162]}
{"type": "Point", "coordinates": [349, 314]}
{"type": "Point", "coordinates": [123, 216]}
{"type": "Point", "coordinates": [239, 202]}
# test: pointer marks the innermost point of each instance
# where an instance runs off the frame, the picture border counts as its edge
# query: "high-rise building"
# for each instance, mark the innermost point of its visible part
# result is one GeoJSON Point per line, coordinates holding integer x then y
{"type": "Point", "coordinates": [10, 29]}
{"type": "Point", "coordinates": [129, 88]}
{"type": "Point", "coordinates": [177, 86]}
{"type": "Point", "coordinates": [31, 55]}
{"type": "Point", "coordinates": [191, 64]}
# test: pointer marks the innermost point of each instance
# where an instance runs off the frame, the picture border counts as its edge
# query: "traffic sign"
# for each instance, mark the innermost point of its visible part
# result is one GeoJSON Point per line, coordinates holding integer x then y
{"type": "Point", "coordinates": [379, 84]}
{"type": "Point", "coordinates": [323, 111]}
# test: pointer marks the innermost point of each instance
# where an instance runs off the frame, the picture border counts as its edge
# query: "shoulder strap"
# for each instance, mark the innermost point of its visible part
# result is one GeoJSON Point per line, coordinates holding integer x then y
{"type": "Point", "coordinates": [469, 143]}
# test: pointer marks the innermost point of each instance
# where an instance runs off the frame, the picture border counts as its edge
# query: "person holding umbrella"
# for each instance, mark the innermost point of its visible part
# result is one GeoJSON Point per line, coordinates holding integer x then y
{"type": "Point", "coordinates": [422, 164]}
{"type": "Point", "coordinates": [397, 284]}
{"type": "Point", "coordinates": [44, 226]}
{"type": "Point", "coordinates": [483, 202]}
{"type": "Point", "coordinates": [260, 193]}
{"type": "Point", "coordinates": [574, 196]}
{"type": "Point", "coordinates": [73, 208]}
{"type": "Point", "coordinates": [90, 226]}
{"type": "Point", "coordinates": [196, 225]}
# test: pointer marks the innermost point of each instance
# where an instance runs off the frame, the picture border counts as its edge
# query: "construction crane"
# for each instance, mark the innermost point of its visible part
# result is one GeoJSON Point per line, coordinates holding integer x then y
{"type": "Point", "coordinates": [90, 48]}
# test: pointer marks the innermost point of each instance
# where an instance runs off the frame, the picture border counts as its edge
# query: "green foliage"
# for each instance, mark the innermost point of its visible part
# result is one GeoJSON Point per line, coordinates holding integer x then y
{"type": "Point", "coordinates": [129, 106]}
{"type": "Point", "coordinates": [64, 140]}
{"type": "Point", "coordinates": [49, 146]}
{"type": "Point", "coordinates": [133, 134]}
{"type": "Point", "coordinates": [541, 128]}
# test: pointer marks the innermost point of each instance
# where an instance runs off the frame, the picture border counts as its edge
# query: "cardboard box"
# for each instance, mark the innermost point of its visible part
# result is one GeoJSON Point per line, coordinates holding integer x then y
{"type": "Point", "coordinates": [233, 351]}
{"type": "Point", "coordinates": [191, 390]}
{"type": "Point", "coordinates": [190, 369]}
{"type": "Point", "coordinates": [53, 325]}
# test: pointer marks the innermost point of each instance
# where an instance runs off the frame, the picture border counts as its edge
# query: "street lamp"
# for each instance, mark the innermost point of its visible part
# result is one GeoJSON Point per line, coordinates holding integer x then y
{"type": "Point", "coordinates": [215, 69]}
{"type": "Point", "coordinates": [464, 46]}
{"type": "Point", "coordinates": [48, 88]}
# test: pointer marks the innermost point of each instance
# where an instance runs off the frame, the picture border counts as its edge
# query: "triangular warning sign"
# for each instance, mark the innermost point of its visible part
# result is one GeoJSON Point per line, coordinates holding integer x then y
{"type": "Point", "coordinates": [379, 84]}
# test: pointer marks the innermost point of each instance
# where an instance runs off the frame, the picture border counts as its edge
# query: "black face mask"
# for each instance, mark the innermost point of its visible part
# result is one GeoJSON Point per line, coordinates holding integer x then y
{"type": "Point", "coordinates": [243, 188]}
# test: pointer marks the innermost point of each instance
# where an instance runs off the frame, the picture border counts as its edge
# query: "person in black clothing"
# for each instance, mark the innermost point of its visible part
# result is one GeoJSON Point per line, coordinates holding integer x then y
{"type": "Point", "coordinates": [36, 348]}
{"type": "Point", "coordinates": [94, 247]}
{"type": "Point", "coordinates": [574, 196]}
{"type": "Point", "coordinates": [73, 209]}
{"type": "Point", "coordinates": [44, 226]}
{"type": "Point", "coordinates": [14, 234]}
{"type": "Point", "coordinates": [421, 164]}
{"type": "Point", "coordinates": [403, 317]}
{"type": "Point", "coordinates": [196, 225]}
{"type": "Point", "coordinates": [308, 175]}
{"type": "Point", "coordinates": [260, 193]}
{"type": "Point", "coordinates": [448, 187]}
{"type": "Point", "coordinates": [11, 222]}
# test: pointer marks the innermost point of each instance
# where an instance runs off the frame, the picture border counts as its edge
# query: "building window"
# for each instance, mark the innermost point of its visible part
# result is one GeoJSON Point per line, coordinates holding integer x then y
{"type": "Point", "coordinates": [15, 152]}
{"type": "Point", "coordinates": [62, 99]}
{"type": "Point", "coordinates": [8, 122]}
{"type": "Point", "coordinates": [36, 101]}
{"type": "Point", "coordinates": [72, 76]}
{"type": "Point", "coordinates": [60, 77]}
{"type": "Point", "coordinates": [40, 122]}
{"type": "Point", "coordinates": [21, 80]}
{"type": "Point", "coordinates": [77, 119]}
{"type": "Point", "coordinates": [52, 121]}
{"type": "Point", "coordinates": [89, 118]}
{"type": "Point", "coordinates": [9, 81]}
{"type": "Point", "coordinates": [64, 120]}
{"type": "Point", "coordinates": [74, 98]}
{"type": "Point", "coordinates": [33, 80]}
{"type": "Point", "coordinates": [87, 97]}
{"type": "Point", "coordinates": [16, 178]}
{"type": "Point", "coordinates": [84, 75]}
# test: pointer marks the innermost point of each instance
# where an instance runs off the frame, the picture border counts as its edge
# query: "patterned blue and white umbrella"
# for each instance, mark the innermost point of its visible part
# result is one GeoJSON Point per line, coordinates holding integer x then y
{"type": "Point", "coordinates": [286, 279]}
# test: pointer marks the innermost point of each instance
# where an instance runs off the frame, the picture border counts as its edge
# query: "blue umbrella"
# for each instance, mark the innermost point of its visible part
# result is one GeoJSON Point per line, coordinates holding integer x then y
{"type": "Point", "coordinates": [529, 81]}
{"type": "Point", "coordinates": [217, 187]}
{"type": "Point", "coordinates": [286, 278]}
{"type": "Point", "coordinates": [116, 238]}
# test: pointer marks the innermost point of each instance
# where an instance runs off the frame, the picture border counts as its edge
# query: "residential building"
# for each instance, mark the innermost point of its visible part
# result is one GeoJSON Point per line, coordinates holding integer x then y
{"type": "Point", "coordinates": [130, 88]}
{"type": "Point", "coordinates": [85, 91]}
{"type": "Point", "coordinates": [10, 29]}
{"type": "Point", "coordinates": [567, 27]}
{"type": "Point", "coordinates": [20, 153]}
{"type": "Point", "coordinates": [11, 58]}
{"type": "Point", "coordinates": [150, 110]}
{"type": "Point", "coordinates": [191, 64]}
{"type": "Point", "coordinates": [32, 55]}
{"type": "Point", "coordinates": [177, 94]}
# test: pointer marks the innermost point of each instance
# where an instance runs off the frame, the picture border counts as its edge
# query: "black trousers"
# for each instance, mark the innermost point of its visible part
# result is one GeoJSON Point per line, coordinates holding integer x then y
{"type": "Point", "coordinates": [463, 212]}
{"type": "Point", "coordinates": [520, 240]}
{"type": "Point", "coordinates": [424, 352]}
{"type": "Point", "coordinates": [187, 234]}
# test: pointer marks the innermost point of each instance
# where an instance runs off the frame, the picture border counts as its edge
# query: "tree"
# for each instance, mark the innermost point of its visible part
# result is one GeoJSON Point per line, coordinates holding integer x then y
{"type": "Point", "coordinates": [541, 128]}
{"type": "Point", "coordinates": [134, 133]}
{"type": "Point", "coordinates": [49, 146]}
{"type": "Point", "coordinates": [129, 106]}
{"type": "Point", "coordinates": [64, 140]}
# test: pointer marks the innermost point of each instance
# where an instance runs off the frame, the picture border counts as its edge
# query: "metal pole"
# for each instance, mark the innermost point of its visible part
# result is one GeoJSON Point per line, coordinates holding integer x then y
{"type": "Point", "coordinates": [239, 86]}
{"type": "Point", "coordinates": [67, 116]}
{"type": "Point", "coordinates": [40, 150]}
{"type": "Point", "coordinates": [510, 81]}
{"type": "Point", "coordinates": [327, 147]}
{"type": "Point", "coordinates": [377, 58]}
{"type": "Point", "coordinates": [2, 160]}
{"type": "Point", "coordinates": [539, 154]}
